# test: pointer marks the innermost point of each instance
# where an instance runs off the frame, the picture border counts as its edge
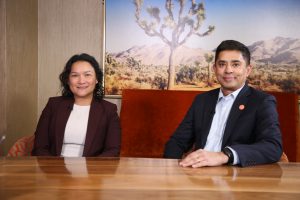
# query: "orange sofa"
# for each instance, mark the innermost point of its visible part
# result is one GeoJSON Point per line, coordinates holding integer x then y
{"type": "Point", "coordinates": [149, 117]}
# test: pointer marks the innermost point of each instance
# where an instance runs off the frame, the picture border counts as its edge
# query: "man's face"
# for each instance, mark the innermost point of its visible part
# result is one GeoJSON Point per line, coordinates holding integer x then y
{"type": "Point", "coordinates": [231, 70]}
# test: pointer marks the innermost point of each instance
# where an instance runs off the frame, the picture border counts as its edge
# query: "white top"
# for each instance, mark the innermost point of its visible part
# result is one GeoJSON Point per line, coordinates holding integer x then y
{"type": "Point", "coordinates": [216, 132]}
{"type": "Point", "coordinates": [75, 132]}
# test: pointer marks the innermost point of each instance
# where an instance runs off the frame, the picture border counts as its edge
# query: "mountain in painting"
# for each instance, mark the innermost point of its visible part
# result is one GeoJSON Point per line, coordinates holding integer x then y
{"type": "Point", "coordinates": [278, 50]}
{"type": "Point", "coordinates": [158, 54]}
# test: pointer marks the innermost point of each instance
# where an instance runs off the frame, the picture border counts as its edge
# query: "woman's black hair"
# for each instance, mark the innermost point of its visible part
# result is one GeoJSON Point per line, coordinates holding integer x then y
{"type": "Point", "coordinates": [64, 76]}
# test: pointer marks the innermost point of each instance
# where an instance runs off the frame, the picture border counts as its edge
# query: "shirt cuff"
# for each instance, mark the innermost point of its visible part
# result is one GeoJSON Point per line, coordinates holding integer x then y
{"type": "Point", "coordinates": [236, 159]}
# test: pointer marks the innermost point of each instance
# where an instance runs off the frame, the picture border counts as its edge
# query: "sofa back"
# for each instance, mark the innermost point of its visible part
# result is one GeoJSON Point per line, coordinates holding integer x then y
{"type": "Point", "coordinates": [149, 118]}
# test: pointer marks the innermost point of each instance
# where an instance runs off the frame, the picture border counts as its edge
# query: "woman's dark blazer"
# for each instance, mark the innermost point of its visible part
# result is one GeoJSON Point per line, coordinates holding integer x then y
{"type": "Point", "coordinates": [103, 135]}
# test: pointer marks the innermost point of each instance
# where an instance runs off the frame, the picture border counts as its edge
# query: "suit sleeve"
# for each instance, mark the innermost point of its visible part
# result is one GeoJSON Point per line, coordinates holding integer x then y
{"type": "Point", "coordinates": [113, 135]}
{"type": "Point", "coordinates": [267, 147]}
{"type": "Point", "coordinates": [183, 138]}
{"type": "Point", "coordinates": [41, 145]}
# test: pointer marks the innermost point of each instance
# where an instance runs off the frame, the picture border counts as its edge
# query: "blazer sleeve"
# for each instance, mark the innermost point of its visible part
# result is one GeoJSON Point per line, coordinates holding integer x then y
{"type": "Point", "coordinates": [112, 142]}
{"type": "Point", "coordinates": [41, 145]}
{"type": "Point", "coordinates": [267, 145]}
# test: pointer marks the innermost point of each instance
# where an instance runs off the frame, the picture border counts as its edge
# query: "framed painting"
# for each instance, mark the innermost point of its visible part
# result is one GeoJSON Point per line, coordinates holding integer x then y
{"type": "Point", "coordinates": [169, 44]}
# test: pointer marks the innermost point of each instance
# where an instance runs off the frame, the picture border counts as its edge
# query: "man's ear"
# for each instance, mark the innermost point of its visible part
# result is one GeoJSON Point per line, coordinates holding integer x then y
{"type": "Point", "coordinates": [214, 67]}
{"type": "Point", "coordinates": [249, 69]}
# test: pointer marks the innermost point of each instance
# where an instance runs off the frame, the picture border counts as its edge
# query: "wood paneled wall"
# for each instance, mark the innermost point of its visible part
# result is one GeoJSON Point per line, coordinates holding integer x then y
{"type": "Point", "coordinates": [2, 69]}
{"type": "Point", "coordinates": [66, 27]}
{"type": "Point", "coordinates": [21, 68]}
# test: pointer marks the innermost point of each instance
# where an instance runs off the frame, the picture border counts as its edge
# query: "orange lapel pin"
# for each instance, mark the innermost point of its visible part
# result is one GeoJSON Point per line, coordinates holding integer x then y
{"type": "Point", "coordinates": [241, 107]}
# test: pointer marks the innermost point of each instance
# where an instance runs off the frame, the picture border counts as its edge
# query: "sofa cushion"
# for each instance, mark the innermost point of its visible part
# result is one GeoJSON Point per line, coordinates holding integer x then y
{"type": "Point", "coordinates": [149, 118]}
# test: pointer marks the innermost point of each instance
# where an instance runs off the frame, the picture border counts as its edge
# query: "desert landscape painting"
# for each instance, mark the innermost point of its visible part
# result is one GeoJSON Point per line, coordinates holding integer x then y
{"type": "Point", "coordinates": [170, 44]}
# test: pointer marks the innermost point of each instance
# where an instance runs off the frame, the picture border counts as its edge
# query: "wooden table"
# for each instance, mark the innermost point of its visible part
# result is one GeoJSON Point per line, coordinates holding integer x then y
{"type": "Point", "coordinates": [142, 178]}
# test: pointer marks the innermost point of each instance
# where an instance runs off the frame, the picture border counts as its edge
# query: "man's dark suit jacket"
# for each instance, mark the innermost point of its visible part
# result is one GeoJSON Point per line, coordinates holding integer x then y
{"type": "Point", "coordinates": [253, 132]}
{"type": "Point", "coordinates": [103, 135]}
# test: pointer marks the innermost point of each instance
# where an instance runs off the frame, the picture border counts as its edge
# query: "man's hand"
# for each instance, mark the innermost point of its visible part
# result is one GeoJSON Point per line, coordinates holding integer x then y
{"type": "Point", "coordinates": [202, 158]}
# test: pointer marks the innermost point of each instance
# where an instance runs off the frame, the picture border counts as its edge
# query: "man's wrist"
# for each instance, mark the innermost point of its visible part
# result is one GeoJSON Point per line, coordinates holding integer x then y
{"type": "Point", "coordinates": [229, 154]}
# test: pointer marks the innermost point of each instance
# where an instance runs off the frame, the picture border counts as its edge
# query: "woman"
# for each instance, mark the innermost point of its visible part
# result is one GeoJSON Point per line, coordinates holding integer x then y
{"type": "Point", "coordinates": [79, 123]}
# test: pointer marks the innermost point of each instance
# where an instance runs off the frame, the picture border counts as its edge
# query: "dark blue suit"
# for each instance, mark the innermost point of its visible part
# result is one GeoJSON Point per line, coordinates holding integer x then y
{"type": "Point", "coordinates": [253, 132]}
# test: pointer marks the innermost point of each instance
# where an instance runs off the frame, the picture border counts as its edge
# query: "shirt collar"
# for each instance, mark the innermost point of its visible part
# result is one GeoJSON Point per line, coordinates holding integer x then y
{"type": "Point", "coordinates": [233, 94]}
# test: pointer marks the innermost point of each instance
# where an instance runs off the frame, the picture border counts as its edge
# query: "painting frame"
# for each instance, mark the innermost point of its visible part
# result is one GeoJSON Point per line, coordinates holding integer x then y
{"type": "Point", "coordinates": [105, 45]}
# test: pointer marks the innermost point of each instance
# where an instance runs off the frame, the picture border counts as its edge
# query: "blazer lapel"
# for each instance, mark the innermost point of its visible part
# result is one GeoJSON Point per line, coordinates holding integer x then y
{"type": "Point", "coordinates": [209, 110]}
{"type": "Point", "coordinates": [96, 111]}
{"type": "Point", "coordinates": [241, 99]}
{"type": "Point", "coordinates": [64, 111]}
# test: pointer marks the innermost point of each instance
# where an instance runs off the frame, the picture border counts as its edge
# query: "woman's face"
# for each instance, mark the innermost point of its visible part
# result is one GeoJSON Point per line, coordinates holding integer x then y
{"type": "Point", "coordinates": [82, 80]}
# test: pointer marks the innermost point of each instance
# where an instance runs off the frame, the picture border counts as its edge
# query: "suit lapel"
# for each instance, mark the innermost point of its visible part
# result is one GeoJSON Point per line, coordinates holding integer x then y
{"type": "Point", "coordinates": [235, 112]}
{"type": "Point", "coordinates": [64, 111]}
{"type": "Point", "coordinates": [96, 111]}
{"type": "Point", "coordinates": [209, 112]}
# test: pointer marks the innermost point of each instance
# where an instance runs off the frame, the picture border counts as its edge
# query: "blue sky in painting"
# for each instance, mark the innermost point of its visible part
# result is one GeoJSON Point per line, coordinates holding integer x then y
{"type": "Point", "coordinates": [245, 20]}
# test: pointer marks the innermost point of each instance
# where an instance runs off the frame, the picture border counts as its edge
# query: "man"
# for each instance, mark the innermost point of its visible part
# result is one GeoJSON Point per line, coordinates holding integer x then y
{"type": "Point", "coordinates": [234, 124]}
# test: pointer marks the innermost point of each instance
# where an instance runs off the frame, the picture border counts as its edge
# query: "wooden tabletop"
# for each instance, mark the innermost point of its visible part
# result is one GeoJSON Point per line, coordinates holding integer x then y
{"type": "Point", "coordinates": [142, 178]}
